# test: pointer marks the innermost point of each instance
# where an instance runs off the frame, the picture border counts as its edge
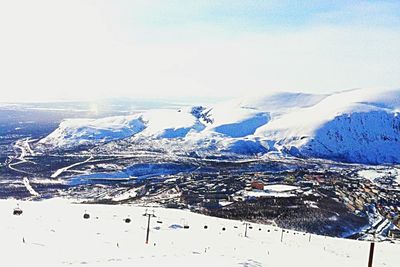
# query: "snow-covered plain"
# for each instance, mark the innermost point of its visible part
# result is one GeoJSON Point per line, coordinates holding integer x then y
{"type": "Point", "coordinates": [54, 233]}
{"type": "Point", "coordinates": [372, 174]}
{"type": "Point", "coordinates": [280, 188]}
{"type": "Point", "coordinates": [355, 126]}
{"type": "Point", "coordinates": [275, 190]}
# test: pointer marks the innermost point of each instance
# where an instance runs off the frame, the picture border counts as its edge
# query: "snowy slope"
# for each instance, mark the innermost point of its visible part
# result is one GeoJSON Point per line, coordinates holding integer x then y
{"type": "Point", "coordinates": [162, 123]}
{"type": "Point", "coordinates": [279, 101]}
{"type": "Point", "coordinates": [73, 132]}
{"type": "Point", "coordinates": [354, 126]}
{"type": "Point", "coordinates": [54, 233]}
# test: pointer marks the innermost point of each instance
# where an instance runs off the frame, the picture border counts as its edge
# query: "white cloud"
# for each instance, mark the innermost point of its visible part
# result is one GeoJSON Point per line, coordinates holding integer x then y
{"type": "Point", "coordinates": [79, 50]}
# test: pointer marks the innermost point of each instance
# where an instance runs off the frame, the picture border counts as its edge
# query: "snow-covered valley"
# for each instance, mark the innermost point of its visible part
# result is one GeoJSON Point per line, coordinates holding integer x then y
{"type": "Point", "coordinates": [296, 148]}
{"type": "Point", "coordinates": [54, 233]}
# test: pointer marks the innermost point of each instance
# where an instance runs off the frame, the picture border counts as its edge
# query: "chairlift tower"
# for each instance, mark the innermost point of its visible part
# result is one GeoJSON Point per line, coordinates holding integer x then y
{"type": "Point", "coordinates": [372, 245]}
{"type": "Point", "coordinates": [149, 216]}
{"type": "Point", "coordinates": [246, 224]}
{"type": "Point", "coordinates": [371, 250]}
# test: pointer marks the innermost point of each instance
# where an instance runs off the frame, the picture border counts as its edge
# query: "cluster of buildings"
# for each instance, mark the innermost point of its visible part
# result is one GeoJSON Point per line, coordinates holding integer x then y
{"type": "Point", "coordinates": [215, 190]}
{"type": "Point", "coordinates": [211, 191]}
{"type": "Point", "coordinates": [195, 190]}
{"type": "Point", "coordinates": [359, 194]}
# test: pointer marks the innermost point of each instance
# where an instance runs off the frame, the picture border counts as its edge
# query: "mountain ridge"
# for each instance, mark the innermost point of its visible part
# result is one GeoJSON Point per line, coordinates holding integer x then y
{"type": "Point", "coordinates": [360, 126]}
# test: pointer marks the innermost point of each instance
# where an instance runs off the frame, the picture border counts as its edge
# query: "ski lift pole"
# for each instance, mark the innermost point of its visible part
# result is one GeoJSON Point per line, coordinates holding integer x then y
{"type": "Point", "coordinates": [372, 245]}
{"type": "Point", "coordinates": [149, 216]}
{"type": "Point", "coordinates": [245, 229]}
{"type": "Point", "coordinates": [371, 251]}
{"type": "Point", "coordinates": [371, 254]}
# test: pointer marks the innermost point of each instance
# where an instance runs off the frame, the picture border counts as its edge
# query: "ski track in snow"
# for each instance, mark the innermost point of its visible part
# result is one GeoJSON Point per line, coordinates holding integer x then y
{"type": "Point", "coordinates": [25, 149]}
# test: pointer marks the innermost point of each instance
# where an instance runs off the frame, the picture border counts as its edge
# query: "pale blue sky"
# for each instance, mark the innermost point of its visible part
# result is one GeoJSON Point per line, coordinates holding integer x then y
{"type": "Point", "coordinates": [85, 49]}
{"type": "Point", "coordinates": [233, 17]}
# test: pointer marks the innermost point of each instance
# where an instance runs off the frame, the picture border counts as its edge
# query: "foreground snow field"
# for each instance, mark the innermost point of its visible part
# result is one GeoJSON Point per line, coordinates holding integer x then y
{"type": "Point", "coordinates": [54, 233]}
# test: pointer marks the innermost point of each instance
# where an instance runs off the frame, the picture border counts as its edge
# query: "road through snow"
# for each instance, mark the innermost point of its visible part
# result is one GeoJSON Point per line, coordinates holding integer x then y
{"type": "Point", "coordinates": [61, 170]}
{"type": "Point", "coordinates": [21, 149]}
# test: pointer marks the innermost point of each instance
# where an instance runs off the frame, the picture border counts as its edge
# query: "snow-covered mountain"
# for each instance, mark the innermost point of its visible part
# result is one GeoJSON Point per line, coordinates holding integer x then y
{"type": "Point", "coordinates": [359, 125]}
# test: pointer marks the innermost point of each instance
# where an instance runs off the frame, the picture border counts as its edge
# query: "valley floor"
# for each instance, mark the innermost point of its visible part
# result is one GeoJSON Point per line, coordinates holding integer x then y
{"type": "Point", "coordinates": [54, 233]}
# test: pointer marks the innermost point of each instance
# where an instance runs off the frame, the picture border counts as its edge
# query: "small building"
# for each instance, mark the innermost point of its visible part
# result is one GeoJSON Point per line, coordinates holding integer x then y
{"type": "Point", "coordinates": [257, 185]}
{"type": "Point", "coordinates": [394, 233]}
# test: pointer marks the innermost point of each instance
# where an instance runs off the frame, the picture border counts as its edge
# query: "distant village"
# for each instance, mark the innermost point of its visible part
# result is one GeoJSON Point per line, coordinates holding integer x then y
{"type": "Point", "coordinates": [215, 192]}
